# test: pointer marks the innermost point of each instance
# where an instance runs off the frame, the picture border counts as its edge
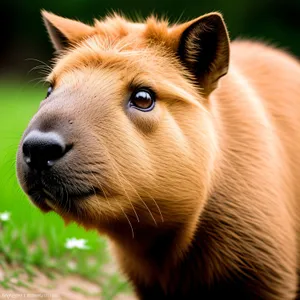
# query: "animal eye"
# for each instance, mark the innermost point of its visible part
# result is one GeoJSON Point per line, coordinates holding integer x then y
{"type": "Point", "coordinates": [49, 91]}
{"type": "Point", "coordinates": [142, 99]}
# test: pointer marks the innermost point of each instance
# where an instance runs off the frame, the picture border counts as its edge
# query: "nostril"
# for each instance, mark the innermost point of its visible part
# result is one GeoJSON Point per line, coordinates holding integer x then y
{"type": "Point", "coordinates": [26, 149]}
{"type": "Point", "coordinates": [55, 152]}
{"type": "Point", "coordinates": [42, 149]}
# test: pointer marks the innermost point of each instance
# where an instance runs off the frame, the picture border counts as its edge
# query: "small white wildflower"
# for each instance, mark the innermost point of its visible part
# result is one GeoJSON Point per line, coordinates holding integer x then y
{"type": "Point", "coordinates": [4, 216]}
{"type": "Point", "coordinates": [76, 243]}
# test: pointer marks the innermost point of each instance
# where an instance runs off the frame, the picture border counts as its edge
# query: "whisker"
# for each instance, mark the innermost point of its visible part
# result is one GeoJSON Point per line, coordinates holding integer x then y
{"type": "Point", "coordinates": [43, 68]}
{"type": "Point", "coordinates": [68, 200]}
{"type": "Point", "coordinates": [136, 192]}
{"type": "Point", "coordinates": [103, 193]}
{"type": "Point", "coordinates": [127, 196]}
{"type": "Point", "coordinates": [91, 186]}
{"type": "Point", "coordinates": [61, 199]}
{"type": "Point", "coordinates": [39, 61]}
{"type": "Point", "coordinates": [94, 191]}
{"type": "Point", "coordinates": [39, 68]}
{"type": "Point", "coordinates": [64, 191]}
{"type": "Point", "coordinates": [132, 231]}
{"type": "Point", "coordinates": [158, 208]}
{"type": "Point", "coordinates": [40, 80]}
{"type": "Point", "coordinates": [60, 191]}
{"type": "Point", "coordinates": [117, 174]}
{"type": "Point", "coordinates": [149, 211]}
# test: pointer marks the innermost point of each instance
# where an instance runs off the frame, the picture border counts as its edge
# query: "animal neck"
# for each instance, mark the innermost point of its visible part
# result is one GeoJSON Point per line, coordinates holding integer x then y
{"type": "Point", "coordinates": [150, 253]}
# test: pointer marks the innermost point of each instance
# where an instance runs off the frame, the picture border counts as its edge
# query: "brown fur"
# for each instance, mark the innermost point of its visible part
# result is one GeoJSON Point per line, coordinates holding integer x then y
{"type": "Point", "coordinates": [201, 195]}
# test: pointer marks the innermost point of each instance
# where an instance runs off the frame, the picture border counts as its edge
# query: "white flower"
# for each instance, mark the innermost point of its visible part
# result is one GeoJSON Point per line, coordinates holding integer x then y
{"type": "Point", "coordinates": [5, 216]}
{"type": "Point", "coordinates": [76, 243]}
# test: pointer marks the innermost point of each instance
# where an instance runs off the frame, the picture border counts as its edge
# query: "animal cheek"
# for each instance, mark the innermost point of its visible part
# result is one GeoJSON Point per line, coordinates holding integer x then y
{"type": "Point", "coordinates": [146, 122]}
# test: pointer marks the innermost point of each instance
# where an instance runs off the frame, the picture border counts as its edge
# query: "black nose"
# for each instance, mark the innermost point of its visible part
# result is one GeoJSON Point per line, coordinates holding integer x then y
{"type": "Point", "coordinates": [42, 149]}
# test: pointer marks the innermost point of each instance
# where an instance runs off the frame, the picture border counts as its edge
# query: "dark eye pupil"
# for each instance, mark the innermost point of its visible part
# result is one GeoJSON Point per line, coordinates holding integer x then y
{"type": "Point", "coordinates": [142, 100]}
{"type": "Point", "coordinates": [49, 91]}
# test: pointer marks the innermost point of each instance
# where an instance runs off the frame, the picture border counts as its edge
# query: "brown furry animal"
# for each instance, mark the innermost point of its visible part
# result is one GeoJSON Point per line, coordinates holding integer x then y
{"type": "Point", "coordinates": [193, 177]}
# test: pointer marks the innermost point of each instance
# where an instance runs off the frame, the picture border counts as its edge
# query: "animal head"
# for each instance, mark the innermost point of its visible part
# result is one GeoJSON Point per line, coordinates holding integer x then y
{"type": "Point", "coordinates": [125, 134]}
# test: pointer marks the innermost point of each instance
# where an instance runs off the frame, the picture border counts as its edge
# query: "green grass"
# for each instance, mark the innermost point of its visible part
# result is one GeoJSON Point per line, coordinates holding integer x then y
{"type": "Point", "coordinates": [30, 238]}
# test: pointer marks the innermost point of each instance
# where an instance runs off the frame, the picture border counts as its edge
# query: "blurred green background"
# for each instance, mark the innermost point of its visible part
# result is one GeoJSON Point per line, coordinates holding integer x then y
{"type": "Point", "coordinates": [24, 42]}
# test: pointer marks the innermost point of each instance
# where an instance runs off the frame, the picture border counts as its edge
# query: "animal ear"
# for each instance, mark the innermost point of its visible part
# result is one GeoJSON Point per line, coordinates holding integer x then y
{"type": "Point", "coordinates": [204, 49]}
{"type": "Point", "coordinates": [63, 32]}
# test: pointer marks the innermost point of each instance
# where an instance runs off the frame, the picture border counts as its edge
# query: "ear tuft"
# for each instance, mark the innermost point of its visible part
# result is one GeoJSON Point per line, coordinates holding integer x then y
{"type": "Point", "coordinates": [204, 49]}
{"type": "Point", "coordinates": [63, 31]}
